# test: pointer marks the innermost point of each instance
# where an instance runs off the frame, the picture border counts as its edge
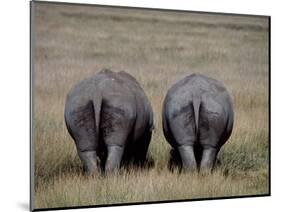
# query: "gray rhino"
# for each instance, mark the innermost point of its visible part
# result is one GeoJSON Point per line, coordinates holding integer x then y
{"type": "Point", "coordinates": [197, 121]}
{"type": "Point", "coordinates": [110, 119]}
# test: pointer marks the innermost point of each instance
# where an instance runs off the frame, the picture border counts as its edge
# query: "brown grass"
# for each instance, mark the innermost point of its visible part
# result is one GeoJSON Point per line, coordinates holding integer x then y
{"type": "Point", "coordinates": [157, 48]}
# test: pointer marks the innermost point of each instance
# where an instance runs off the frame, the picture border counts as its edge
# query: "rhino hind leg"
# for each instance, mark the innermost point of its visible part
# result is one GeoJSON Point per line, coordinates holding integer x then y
{"type": "Point", "coordinates": [210, 142]}
{"type": "Point", "coordinates": [81, 125]}
{"type": "Point", "coordinates": [115, 127]}
{"type": "Point", "coordinates": [182, 128]}
{"type": "Point", "coordinates": [188, 158]}
{"type": "Point", "coordinates": [208, 159]}
{"type": "Point", "coordinates": [114, 157]}
{"type": "Point", "coordinates": [89, 160]}
{"type": "Point", "coordinates": [209, 153]}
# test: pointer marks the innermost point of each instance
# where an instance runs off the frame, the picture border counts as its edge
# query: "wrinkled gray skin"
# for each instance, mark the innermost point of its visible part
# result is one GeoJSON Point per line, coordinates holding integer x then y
{"type": "Point", "coordinates": [110, 119]}
{"type": "Point", "coordinates": [197, 121]}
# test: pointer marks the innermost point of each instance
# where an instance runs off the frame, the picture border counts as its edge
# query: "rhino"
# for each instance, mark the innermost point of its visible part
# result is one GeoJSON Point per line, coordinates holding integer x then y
{"type": "Point", "coordinates": [110, 119]}
{"type": "Point", "coordinates": [197, 121]}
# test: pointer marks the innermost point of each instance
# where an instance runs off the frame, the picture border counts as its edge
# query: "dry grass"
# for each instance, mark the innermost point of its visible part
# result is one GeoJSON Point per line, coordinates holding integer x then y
{"type": "Point", "coordinates": [158, 49]}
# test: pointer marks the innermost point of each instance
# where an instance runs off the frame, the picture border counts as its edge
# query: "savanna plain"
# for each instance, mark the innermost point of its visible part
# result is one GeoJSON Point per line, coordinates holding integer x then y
{"type": "Point", "coordinates": [158, 48]}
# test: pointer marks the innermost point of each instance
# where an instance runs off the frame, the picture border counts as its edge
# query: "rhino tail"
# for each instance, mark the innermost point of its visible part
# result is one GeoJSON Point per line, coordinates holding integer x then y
{"type": "Point", "coordinates": [196, 102]}
{"type": "Point", "coordinates": [97, 102]}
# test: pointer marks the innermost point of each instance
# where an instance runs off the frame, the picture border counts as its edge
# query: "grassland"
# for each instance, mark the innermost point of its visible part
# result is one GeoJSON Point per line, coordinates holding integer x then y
{"type": "Point", "coordinates": [157, 48]}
